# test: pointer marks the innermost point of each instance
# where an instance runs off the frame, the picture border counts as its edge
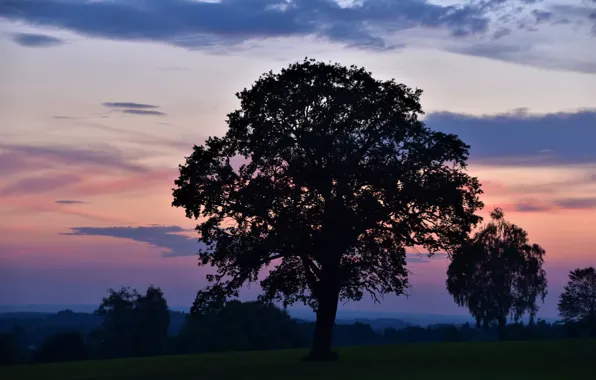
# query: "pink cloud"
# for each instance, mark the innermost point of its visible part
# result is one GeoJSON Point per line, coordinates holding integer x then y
{"type": "Point", "coordinates": [91, 186]}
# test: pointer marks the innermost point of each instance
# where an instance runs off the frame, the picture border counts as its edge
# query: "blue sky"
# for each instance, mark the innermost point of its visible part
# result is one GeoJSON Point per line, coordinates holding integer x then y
{"type": "Point", "coordinates": [101, 100]}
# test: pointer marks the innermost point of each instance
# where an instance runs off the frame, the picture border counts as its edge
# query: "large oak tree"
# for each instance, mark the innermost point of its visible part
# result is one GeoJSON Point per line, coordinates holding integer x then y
{"type": "Point", "coordinates": [340, 178]}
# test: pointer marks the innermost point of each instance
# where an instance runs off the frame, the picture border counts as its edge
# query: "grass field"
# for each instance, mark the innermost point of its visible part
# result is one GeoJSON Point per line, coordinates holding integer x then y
{"type": "Point", "coordinates": [459, 361]}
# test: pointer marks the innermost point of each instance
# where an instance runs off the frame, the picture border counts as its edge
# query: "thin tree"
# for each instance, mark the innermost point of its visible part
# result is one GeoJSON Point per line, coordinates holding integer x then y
{"type": "Point", "coordinates": [498, 274]}
{"type": "Point", "coordinates": [340, 177]}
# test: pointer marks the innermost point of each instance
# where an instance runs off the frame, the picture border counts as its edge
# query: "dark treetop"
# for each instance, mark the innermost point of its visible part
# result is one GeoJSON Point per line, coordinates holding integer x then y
{"type": "Point", "coordinates": [498, 274]}
{"type": "Point", "coordinates": [578, 300]}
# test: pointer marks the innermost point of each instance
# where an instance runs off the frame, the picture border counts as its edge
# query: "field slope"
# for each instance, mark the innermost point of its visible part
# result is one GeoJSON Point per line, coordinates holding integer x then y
{"type": "Point", "coordinates": [457, 361]}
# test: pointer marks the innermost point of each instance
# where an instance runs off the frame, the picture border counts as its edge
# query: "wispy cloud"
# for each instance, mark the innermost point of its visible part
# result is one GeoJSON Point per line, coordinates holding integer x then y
{"type": "Point", "coordinates": [144, 138]}
{"type": "Point", "coordinates": [39, 184]}
{"type": "Point", "coordinates": [35, 40]}
{"type": "Point", "coordinates": [61, 117]}
{"type": "Point", "coordinates": [15, 157]}
{"type": "Point", "coordinates": [532, 206]}
{"type": "Point", "coordinates": [70, 202]}
{"type": "Point", "coordinates": [132, 108]}
{"type": "Point", "coordinates": [552, 204]}
{"type": "Point", "coordinates": [144, 112]}
{"type": "Point", "coordinates": [129, 105]}
{"type": "Point", "coordinates": [170, 238]}
{"type": "Point", "coordinates": [157, 178]}
{"type": "Point", "coordinates": [165, 237]}
{"type": "Point", "coordinates": [576, 203]}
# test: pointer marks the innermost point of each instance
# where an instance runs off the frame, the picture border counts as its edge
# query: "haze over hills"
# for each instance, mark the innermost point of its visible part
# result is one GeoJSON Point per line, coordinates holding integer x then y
{"type": "Point", "coordinates": [377, 320]}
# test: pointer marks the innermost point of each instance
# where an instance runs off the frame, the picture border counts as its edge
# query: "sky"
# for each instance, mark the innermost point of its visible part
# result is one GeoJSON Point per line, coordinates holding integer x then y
{"type": "Point", "coordinates": [101, 101]}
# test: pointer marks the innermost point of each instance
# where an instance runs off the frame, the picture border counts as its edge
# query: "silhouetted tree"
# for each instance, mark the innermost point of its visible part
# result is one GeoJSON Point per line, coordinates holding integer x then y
{"type": "Point", "coordinates": [9, 349]}
{"type": "Point", "coordinates": [577, 303]}
{"type": "Point", "coordinates": [116, 332]}
{"type": "Point", "coordinates": [498, 274]}
{"type": "Point", "coordinates": [341, 178]}
{"type": "Point", "coordinates": [240, 326]}
{"type": "Point", "coordinates": [133, 324]}
{"type": "Point", "coordinates": [61, 348]}
{"type": "Point", "coordinates": [152, 319]}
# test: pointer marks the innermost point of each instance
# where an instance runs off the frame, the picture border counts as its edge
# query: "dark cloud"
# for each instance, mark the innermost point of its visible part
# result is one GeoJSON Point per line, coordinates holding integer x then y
{"type": "Point", "coordinates": [501, 32]}
{"type": "Point", "coordinates": [139, 106]}
{"type": "Point", "coordinates": [165, 237]}
{"type": "Point", "coordinates": [144, 112]}
{"type": "Point", "coordinates": [519, 138]}
{"type": "Point", "coordinates": [542, 16]}
{"type": "Point", "coordinates": [168, 237]}
{"type": "Point", "coordinates": [530, 206]}
{"type": "Point", "coordinates": [193, 24]}
{"type": "Point", "coordinates": [135, 108]}
{"type": "Point", "coordinates": [70, 202]}
{"type": "Point", "coordinates": [576, 203]}
{"type": "Point", "coordinates": [35, 40]}
{"type": "Point", "coordinates": [15, 157]}
{"type": "Point", "coordinates": [553, 204]}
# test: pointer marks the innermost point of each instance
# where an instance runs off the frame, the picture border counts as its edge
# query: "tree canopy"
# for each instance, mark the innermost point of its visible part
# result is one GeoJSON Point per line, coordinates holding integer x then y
{"type": "Point", "coordinates": [133, 323]}
{"type": "Point", "coordinates": [240, 326]}
{"type": "Point", "coordinates": [578, 300]}
{"type": "Point", "coordinates": [498, 274]}
{"type": "Point", "coordinates": [325, 175]}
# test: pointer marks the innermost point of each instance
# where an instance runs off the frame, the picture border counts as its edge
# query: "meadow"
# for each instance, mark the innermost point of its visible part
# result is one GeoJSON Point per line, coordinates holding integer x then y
{"type": "Point", "coordinates": [458, 361]}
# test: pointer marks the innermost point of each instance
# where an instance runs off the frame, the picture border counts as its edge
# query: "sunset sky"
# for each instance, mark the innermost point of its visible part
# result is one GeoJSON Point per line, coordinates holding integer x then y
{"type": "Point", "coordinates": [101, 100]}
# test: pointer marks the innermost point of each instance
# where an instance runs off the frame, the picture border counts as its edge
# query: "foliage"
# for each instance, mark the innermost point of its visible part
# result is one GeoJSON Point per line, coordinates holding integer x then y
{"type": "Point", "coordinates": [115, 335]}
{"type": "Point", "coordinates": [498, 273]}
{"type": "Point", "coordinates": [577, 303]}
{"type": "Point", "coordinates": [61, 348]}
{"type": "Point", "coordinates": [133, 324]}
{"type": "Point", "coordinates": [339, 178]}
{"type": "Point", "coordinates": [152, 320]}
{"type": "Point", "coordinates": [241, 326]}
{"type": "Point", "coordinates": [9, 349]}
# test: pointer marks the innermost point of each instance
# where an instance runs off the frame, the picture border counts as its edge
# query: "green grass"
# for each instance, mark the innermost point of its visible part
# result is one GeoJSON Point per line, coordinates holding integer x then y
{"type": "Point", "coordinates": [458, 361]}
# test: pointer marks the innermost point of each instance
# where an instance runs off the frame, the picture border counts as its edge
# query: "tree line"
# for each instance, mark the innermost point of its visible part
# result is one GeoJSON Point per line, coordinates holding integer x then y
{"type": "Point", "coordinates": [129, 324]}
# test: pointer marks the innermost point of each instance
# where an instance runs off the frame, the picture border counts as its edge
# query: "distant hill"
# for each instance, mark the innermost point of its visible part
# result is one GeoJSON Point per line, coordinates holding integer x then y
{"type": "Point", "coordinates": [379, 324]}
{"type": "Point", "coordinates": [33, 327]}
{"type": "Point", "coordinates": [24, 315]}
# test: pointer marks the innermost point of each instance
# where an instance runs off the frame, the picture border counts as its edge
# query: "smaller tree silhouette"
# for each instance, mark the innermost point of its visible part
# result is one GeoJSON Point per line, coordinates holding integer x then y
{"type": "Point", "coordinates": [498, 274]}
{"type": "Point", "coordinates": [133, 324]}
{"type": "Point", "coordinates": [577, 303]}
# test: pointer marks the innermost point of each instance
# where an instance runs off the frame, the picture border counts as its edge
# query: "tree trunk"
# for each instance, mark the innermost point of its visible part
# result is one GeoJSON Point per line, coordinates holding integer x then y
{"type": "Point", "coordinates": [323, 337]}
{"type": "Point", "coordinates": [501, 328]}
